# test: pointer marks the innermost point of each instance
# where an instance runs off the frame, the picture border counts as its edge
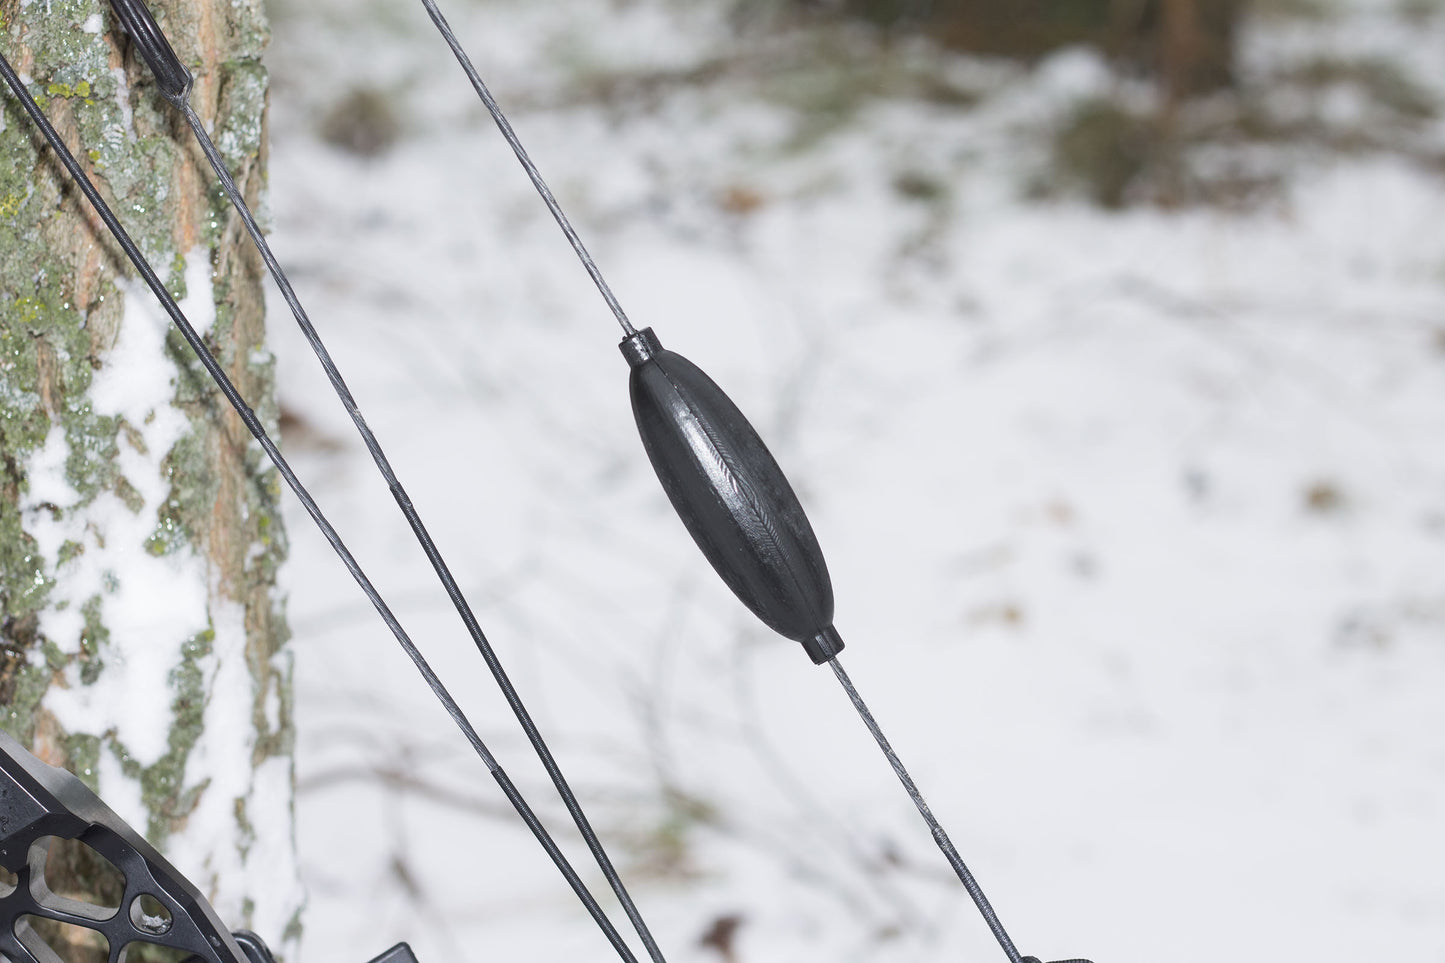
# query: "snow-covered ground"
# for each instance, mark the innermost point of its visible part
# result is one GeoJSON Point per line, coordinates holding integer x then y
{"type": "Point", "coordinates": [1136, 520]}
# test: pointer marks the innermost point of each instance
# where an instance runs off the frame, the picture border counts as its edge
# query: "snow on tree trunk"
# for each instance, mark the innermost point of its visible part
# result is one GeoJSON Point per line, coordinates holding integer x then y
{"type": "Point", "coordinates": [139, 526]}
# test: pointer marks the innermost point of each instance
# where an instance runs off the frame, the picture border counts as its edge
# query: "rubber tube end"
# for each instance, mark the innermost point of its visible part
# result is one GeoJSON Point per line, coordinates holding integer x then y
{"type": "Point", "coordinates": [824, 646]}
{"type": "Point", "coordinates": [640, 348]}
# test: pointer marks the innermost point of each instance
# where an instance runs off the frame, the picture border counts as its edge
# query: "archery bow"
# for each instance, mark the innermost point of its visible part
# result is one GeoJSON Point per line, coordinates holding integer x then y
{"type": "Point", "coordinates": [158, 909]}
{"type": "Point", "coordinates": [725, 485]}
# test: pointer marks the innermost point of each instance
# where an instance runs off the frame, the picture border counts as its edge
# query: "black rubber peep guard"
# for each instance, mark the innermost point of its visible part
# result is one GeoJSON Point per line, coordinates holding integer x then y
{"type": "Point", "coordinates": [732, 496]}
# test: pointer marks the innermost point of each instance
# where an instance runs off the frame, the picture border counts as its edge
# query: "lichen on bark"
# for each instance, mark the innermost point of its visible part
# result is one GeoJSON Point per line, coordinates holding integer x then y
{"type": "Point", "coordinates": [64, 287]}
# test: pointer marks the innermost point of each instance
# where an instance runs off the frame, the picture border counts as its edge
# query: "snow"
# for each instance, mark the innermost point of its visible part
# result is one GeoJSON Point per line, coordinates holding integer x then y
{"type": "Point", "coordinates": [137, 387]}
{"type": "Point", "coordinates": [1136, 520]}
{"type": "Point", "coordinates": [122, 96]}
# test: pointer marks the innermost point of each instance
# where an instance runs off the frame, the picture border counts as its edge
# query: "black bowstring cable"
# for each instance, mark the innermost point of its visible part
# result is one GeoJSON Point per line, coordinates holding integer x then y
{"type": "Point", "coordinates": [940, 837]}
{"type": "Point", "coordinates": [536, 176]}
{"type": "Point", "coordinates": [258, 431]}
{"type": "Point", "coordinates": [175, 83]}
{"type": "Point", "coordinates": [707, 456]}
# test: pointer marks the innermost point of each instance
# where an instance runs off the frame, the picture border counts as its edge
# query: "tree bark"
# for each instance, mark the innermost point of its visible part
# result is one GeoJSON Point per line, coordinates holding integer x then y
{"type": "Point", "coordinates": [142, 641]}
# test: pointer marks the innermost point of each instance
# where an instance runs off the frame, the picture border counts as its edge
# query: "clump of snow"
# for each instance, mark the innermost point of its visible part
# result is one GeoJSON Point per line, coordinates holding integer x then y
{"type": "Point", "coordinates": [1076, 73]}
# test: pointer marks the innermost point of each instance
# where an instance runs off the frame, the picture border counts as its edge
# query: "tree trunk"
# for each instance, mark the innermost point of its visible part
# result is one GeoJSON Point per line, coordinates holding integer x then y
{"type": "Point", "coordinates": [139, 526]}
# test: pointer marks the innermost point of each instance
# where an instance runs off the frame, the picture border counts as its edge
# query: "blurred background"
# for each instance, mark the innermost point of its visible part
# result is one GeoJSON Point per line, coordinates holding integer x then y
{"type": "Point", "coordinates": [1104, 341]}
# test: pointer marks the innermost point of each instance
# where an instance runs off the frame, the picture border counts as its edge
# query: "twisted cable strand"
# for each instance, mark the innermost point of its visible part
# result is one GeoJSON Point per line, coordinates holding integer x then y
{"type": "Point", "coordinates": [536, 176]}
{"type": "Point", "coordinates": [939, 836]}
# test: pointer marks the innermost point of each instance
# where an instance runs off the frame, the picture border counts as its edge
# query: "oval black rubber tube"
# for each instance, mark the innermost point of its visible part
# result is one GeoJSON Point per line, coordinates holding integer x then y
{"type": "Point", "coordinates": [731, 495]}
